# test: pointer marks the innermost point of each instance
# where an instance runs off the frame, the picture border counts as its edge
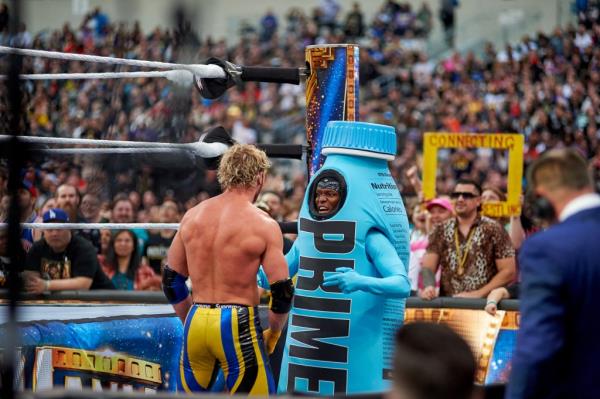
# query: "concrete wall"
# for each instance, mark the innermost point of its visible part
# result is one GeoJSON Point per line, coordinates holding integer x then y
{"type": "Point", "coordinates": [507, 20]}
{"type": "Point", "coordinates": [220, 18]}
{"type": "Point", "coordinates": [476, 19]}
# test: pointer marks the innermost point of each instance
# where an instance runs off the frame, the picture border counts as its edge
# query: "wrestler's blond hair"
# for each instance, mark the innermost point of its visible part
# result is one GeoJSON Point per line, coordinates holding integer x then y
{"type": "Point", "coordinates": [241, 165]}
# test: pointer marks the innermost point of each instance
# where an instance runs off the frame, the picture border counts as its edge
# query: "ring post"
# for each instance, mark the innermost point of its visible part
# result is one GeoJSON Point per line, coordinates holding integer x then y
{"type": "Point", "coordinates": [331, 93]}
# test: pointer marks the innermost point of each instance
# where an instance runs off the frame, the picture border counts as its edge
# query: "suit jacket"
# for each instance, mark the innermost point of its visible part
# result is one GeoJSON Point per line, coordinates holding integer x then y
{"type": "Point", "coordinates": [558, 346]}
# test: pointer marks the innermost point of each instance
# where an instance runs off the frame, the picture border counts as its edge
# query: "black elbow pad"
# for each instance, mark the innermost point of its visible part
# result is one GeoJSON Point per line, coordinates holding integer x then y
{"type": "Point", "coordinates": [282, 292]}
{"type": "Point", "coordinates": [174, 286]}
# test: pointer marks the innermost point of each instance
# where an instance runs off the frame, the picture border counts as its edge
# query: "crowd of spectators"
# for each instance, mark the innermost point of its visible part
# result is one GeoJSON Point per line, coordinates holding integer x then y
{"type": "Point", "coordinates": [545, 87]}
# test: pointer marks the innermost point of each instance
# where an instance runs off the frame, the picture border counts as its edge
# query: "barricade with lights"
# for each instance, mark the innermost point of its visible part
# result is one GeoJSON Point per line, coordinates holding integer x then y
{"type": "Point", "coordinates": [111, 342]}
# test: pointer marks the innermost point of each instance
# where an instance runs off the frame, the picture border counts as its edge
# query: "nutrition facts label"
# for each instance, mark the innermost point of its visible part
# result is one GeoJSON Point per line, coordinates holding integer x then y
{"type": "Point", "coordinates": [391, 203]}
{"type": "Point", "coordinates": [393, 315]}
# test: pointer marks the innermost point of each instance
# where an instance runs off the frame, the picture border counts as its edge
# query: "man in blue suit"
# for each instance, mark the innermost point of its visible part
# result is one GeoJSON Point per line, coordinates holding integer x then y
{"type": "Point", "coordinates": [558, 347]}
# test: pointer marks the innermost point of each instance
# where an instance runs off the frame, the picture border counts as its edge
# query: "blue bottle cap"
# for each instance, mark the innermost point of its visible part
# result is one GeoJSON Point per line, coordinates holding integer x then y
{"type": "Point", "coordinates": [360, 136]}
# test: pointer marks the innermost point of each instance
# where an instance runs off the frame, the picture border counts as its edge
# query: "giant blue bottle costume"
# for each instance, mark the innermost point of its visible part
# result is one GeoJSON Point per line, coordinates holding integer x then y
{"type": "Point", "coordinates": [352, 267]}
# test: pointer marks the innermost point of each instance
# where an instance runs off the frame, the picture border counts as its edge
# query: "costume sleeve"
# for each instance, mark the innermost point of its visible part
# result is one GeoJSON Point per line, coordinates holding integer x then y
{"type": "Point", "coordinates": [261, 279]}
{"type": "Point", "coordinates": [394, 280]}
{"type": "Point", "coordinates": [383, 255]}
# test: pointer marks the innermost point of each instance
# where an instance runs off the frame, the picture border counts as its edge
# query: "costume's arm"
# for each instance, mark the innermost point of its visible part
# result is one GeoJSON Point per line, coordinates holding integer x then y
{"type": "Point", "coordinates": [393, 282]}
{"type": "Point", "coordinates": [292, 259]}
{"type": "Point", "coordinates": [261, 279]}
{"type": "Point", "coordinates": [541, 334]}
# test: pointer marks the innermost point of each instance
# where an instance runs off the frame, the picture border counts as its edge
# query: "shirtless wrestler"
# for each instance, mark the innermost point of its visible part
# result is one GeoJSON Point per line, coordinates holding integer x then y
{"type": "Point", "coordinates": [220, 244]}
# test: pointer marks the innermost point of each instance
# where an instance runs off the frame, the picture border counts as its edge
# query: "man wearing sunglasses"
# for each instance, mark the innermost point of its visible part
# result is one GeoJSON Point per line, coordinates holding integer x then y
{"type": "Point", "coordinates": [475, 252]}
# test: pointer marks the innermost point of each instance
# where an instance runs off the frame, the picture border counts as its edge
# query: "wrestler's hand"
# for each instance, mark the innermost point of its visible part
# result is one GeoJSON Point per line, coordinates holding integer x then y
{"type": "Point", "coordinates": [346, 279]}
{"type": "Point", "coordinates": [271, 337]}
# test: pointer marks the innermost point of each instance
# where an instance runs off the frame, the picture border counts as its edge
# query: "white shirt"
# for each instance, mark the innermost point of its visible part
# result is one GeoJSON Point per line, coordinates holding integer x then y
{"type": "Point", "coordinates": [583, 41]}
{"type": "Point", "coordinates": [581, 203]}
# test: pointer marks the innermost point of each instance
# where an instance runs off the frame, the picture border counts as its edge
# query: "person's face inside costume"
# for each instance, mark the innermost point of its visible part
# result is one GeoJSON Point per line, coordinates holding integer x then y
{"type": "Point", "coordinates": [327, 195]}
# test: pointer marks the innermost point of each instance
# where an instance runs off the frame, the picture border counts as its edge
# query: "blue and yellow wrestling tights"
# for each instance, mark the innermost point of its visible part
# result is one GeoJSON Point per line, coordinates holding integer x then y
{"type": "Point", "coordinates": [228, 337]}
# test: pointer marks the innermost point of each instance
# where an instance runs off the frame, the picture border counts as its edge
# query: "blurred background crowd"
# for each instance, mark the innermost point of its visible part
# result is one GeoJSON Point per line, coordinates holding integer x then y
{"type": "Point", "coordinates": [546, 87]}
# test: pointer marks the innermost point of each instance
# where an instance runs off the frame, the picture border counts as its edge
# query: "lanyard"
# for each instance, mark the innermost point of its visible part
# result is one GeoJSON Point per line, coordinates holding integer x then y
{"type": "Point", "coordinates": [462, 257]}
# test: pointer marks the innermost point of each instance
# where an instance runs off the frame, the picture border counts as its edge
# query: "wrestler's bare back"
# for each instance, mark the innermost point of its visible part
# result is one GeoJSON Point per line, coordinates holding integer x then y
{"type": "Point", "coordinates": [225, 239]}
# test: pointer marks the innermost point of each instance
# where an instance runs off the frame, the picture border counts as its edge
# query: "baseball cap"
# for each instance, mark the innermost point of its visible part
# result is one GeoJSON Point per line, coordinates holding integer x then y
{"type": "Point", "coordinates": [55, 215]}
{"type": "Point", "coordinates": [443, 202]}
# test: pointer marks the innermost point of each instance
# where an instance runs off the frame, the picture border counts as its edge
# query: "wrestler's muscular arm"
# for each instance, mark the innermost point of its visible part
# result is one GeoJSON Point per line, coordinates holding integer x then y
{"type": "Point", "coordinates": [275, 267]}
{"type": "Point", "coordinates": [174, 275]}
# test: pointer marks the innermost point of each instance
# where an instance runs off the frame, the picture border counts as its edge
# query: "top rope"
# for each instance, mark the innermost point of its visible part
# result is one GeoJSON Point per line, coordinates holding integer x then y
{"type": "Point", "coordinates": [199, 70]}
{"type": "Point", "coordinates": [181, 77]}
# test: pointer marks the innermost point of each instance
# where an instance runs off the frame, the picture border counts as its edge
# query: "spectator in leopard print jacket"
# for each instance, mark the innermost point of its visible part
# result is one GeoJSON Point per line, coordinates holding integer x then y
{"type": "Point", "coordinates": [474, 252]}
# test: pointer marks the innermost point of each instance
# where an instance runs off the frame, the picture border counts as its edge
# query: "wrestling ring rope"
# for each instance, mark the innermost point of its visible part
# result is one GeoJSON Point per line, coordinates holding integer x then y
{"type": "Point", "coordinates": [182, 74]}
{"type": "Point", "coordinates": [201, 149]}
{"type": "Point", "coordinates": [179, 74]}
{"type": "Point", "coordinates": [199, 71]}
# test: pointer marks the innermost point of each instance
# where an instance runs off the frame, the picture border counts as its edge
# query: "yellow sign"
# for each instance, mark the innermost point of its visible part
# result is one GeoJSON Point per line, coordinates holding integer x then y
{"type": "Point", "coordinates": [499, 141]}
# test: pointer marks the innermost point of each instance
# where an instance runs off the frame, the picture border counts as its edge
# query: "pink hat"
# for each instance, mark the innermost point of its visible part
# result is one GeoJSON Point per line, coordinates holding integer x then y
{"type": "Point", "coordinates": [443, 202]}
